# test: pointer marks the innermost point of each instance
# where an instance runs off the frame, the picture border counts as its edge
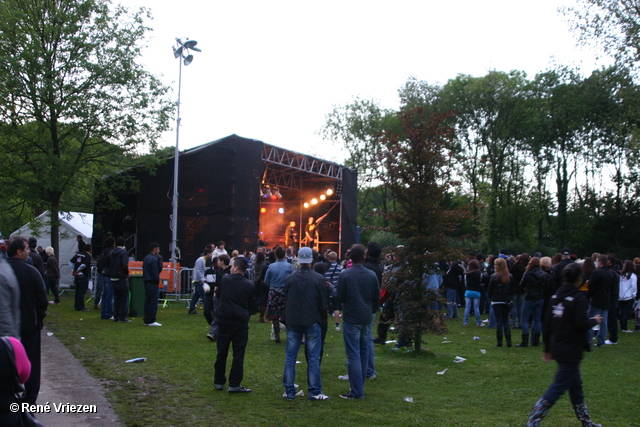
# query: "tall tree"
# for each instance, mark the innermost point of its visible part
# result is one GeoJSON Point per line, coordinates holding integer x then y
{"type": "Point", "coordinates": [490, 114]}
{"type": "Point", "coordinates": [73, 99]}
{"type": "Point", "coordinates": [418, 165]}
{"type": "Point", "coordinates": [612, 24]}
{"type": "Point", "coordinates": [358, 127]}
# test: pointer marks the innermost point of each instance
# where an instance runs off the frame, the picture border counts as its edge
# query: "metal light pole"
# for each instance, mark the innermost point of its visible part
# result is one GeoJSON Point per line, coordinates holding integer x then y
{"type": "Point", "coordinates": [180, 50]}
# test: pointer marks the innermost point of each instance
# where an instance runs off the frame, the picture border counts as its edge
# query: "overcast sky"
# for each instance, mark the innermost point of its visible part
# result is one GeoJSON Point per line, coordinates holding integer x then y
{"type": "Point", "coordinates": [272, 70]}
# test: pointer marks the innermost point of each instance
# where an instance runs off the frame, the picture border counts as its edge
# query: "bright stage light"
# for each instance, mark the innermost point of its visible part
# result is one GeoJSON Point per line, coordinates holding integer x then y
{"type": "Point", "coordinates": [281, 210]}
{"type": "Point", "coordinates": [306, 205]}
{"type": "Point", "coordinates": [263, 210]}
{"type": "Point", "coordinates": [322, 197]}
{"type": "Point", "coordinates": [314, 201]}
{"type": "Point", "coordinates": [329, 192]}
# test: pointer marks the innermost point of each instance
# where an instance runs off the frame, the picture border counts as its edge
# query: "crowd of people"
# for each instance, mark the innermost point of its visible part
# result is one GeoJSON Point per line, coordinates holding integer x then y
{"type": "Point", "coordinates": [565, 304]}
{"type": "Point", "coordinates": [301, 291]}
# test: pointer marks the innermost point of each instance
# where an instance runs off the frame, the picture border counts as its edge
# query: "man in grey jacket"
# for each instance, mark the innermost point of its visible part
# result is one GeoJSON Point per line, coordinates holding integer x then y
{"type": "Point", "coordinates": [9, 301]}
{"type": "Point", "coordinates": [359, 294]}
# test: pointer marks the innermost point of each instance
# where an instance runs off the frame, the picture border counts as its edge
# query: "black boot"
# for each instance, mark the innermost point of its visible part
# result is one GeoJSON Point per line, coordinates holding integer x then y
{"type": "Point", "coordinates": [499, 337]}
{"type": "Point", "coordinates": [525, 341]}
{"type": "Point", "coordinates": [583, 415]}
{"type": "Point", "coordinates": [507, 335]}
{"type": "Point", "coordinates": [539, 411]}
{"type": "Point", "coordinates": [536, 340]}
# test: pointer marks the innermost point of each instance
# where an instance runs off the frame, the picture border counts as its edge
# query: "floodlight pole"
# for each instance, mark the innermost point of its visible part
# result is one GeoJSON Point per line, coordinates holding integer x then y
{"type": "Point", "coordinates": [181, 51]}
{"type": "Point", "coordinates": [176, 163]}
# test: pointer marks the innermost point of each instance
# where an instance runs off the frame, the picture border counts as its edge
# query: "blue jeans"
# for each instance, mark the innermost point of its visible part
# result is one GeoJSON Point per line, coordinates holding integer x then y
{"type": "Point", "coordinates": [356, 343]}
{"type": "Point", "coordinates": [371, 367]}
{"type": "Point", "coordinates": [198, 293]}
{"type": "Point", "coordinates": [452, 306]}
{"type": "Point", "coordinates": [516, 310]}
{"type": "Point", "coordinates": [313, 345]}
{"type": "Point", "coordinates": [492, 317]}
{"type": "Point", "coordinates": [106, 307]}
{"type": "Point", "coordinates": [601, 335]}
{"type": "Point", "coordinates": [567, 378]}
{"type": "Point", "coordinates": [476, 309]}
{"type": "Point", "coordinates": [529, 308]}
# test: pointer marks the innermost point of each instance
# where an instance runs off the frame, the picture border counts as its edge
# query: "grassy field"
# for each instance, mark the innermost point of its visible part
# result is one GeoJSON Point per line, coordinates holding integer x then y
{"type": "Point", "coordinates": [174, 387]}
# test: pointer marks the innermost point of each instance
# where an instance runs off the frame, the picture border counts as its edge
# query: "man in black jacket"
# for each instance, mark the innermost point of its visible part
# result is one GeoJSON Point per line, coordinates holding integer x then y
{"type": "Point", "coordinates": [81, 274]}
{"type": "Point", "coordinates": [33, 309]}
{"type": "Point", "coordinates": [119, 270]}
{"type": "Point", "coordinates": [237, 304]}
{"type": "Point", "coordinates": [600, 286]}
{"type": "Point", "coordinates": [306, 300]}
{"type": "Point", "coordinates": [151, 268]}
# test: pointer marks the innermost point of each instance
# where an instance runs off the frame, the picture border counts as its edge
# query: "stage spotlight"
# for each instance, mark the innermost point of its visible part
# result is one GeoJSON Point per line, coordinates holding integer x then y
{"type": "Point", "coordinates": [314, 201]}
{"type": "Point", "coordinates": [306, 205]}
{"type": "Point", "coordinates": [323, 197]}
{"type": "Point", "coordinates": [281, 210]}
{"type": "Point", "coordinates": [263, 210]}
{"type": "Point", "coordinates": [329, 192]}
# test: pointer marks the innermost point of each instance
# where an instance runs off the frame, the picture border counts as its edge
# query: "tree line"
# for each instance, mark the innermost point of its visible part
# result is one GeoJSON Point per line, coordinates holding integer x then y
{"type": "Point", "coordinates": [542, 162]}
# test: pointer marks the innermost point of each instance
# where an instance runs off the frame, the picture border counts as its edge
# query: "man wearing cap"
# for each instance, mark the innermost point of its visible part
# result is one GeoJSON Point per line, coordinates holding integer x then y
{"type": "Point", "coordinates": [556, 272]}
{"type": "Point", "coordinates": [306, 301]}
{"type": "Point", "coordinates": [359, 294]}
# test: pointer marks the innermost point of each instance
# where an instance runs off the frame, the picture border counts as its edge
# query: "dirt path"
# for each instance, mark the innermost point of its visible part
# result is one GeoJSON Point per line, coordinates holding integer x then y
{"type": "Point", "coordinates": [66, 382]}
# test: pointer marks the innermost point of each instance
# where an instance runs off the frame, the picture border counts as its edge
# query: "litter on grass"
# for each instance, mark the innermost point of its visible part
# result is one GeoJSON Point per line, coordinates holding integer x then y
{"type": "Point", "coordinates": [49, 334]}
{"type": "Point", "coordinates": [476, 338]}
{"type": "Point", "coordinates": [444, 342]}
{"type": "Point", "coordinates": [483, 351]}
{"type": "Point", "coordinates": [137, 360]}
{"type": "Point", "coordinates": [408, 399]}
{"type": "Point", "coordinates": [442, 372]}
{"type": "Point", "coordinates": [459, 359]}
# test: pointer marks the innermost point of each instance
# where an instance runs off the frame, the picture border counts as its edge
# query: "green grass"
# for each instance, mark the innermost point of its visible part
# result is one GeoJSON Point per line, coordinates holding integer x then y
{"type": "Point", "coordinates": [174, 387]}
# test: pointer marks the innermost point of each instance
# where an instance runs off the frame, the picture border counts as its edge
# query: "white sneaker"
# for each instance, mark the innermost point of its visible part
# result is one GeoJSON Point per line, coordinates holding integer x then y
{"type": "Point", "coordinates": [343, 377]}
{"type": "Point", "coordinates": [337, 328]}
{"type": "Point", "coordinates": [153, 324]}
{"type": "Point", "coordinates": [608, 342]}
{"type": "Point", "coordinates": [320, 396]}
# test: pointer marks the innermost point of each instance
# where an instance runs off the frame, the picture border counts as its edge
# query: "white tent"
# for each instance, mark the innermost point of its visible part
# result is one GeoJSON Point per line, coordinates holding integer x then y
{"type": "Point", "coordinates": [72, 224]}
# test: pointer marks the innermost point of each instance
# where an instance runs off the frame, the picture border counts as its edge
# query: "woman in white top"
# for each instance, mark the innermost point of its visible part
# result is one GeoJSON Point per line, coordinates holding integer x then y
{"type": "Point", "coordinates": [628, 291]}
{"type": "Point", "coordinates": [219, 250]}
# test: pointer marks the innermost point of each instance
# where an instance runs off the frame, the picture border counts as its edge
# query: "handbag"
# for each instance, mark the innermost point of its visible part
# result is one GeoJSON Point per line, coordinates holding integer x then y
{"type": "Point", "coordinates": [25, 418]}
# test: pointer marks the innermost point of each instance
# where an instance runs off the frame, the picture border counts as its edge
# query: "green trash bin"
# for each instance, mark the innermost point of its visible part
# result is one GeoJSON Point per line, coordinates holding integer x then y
{"type": "Point", "coordinates": [136, 289]}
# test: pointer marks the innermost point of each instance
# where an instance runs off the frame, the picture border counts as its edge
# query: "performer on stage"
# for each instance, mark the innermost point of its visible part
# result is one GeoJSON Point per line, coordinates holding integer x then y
{"type": "Point", "coordinates": [311, 234]}
{"type": "Point", "coordinates": [290, 235]}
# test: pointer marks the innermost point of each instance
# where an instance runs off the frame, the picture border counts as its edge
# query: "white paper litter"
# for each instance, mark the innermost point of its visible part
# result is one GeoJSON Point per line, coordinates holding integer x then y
{"type": "Point", "coordinates": [442, 372]}
{"type": "Point", "coordinates": [49, 334]}
{"type": "Point", "coordinates": [408, 399]}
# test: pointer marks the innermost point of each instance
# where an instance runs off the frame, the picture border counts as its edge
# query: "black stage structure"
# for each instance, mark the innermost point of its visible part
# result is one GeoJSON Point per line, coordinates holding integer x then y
{"type": "Point", "coordinates": [237, 190]}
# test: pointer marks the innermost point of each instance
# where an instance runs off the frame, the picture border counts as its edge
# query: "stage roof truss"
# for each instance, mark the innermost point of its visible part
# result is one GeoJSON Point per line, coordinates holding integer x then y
{"type": "Point", "coordinates": [300, 162]}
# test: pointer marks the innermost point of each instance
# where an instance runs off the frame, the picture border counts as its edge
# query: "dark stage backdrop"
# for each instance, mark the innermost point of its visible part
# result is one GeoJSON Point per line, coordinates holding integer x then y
{"type": "Point", "coordinates": [219, 199]}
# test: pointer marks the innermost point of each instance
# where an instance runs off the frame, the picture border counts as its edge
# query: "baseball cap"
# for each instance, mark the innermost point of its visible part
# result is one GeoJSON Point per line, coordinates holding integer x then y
{"type": "Point", "coordinates": [305, 255]}
{"type": "Point", "coordinates": [565, 251]}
